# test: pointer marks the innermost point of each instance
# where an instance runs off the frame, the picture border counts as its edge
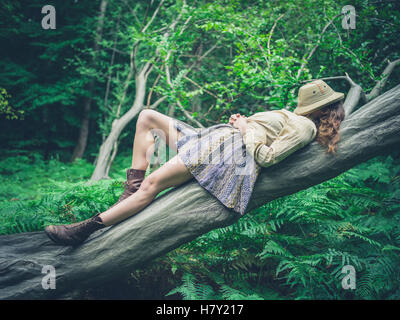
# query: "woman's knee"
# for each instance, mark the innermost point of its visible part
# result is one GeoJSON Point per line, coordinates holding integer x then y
{"type": "Point", "coordinates": [146, 118]}
{"type": "Point", "coordinates": [150, 186]}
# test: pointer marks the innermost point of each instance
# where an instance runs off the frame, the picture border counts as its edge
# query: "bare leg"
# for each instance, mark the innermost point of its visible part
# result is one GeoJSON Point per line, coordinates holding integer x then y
{"type": "Point", "coordinates": [172, 173]}
{"type": "Point", "coordinates": [143, 145]}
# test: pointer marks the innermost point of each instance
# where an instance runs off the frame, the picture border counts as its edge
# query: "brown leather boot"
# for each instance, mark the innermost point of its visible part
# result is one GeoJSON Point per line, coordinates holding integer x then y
{"type": "Point", "coordinates": [76, 233]}
{"type": "Point", "coordinates": [134, 179]}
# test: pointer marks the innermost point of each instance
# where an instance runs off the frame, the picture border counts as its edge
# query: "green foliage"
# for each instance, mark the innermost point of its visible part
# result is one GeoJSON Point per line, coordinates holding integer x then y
{"type": "Point", "coordinates": [292, 248]}
{"type": "Point", "coordinates": [35, 193]}
{"type": "Point", "coordinates": [5, 109]}
{"type": "Point", "coordinates": [257, 54]}
{"type": "Point", "coordinates": [193, 290]}
{"type": "Point", "coordinates": [296, 246]}
{"type": "Point", "coordinates": [190, 290]}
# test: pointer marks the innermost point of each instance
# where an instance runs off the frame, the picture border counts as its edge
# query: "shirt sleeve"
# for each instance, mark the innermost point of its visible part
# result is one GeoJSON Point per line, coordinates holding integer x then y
{"type": "Point", "coordinates": [293, 136]}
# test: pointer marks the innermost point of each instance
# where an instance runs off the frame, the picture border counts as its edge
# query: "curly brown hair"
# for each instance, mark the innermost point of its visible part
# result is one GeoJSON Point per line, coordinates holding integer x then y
{"type": "Point", "coordinates": [328, 120]}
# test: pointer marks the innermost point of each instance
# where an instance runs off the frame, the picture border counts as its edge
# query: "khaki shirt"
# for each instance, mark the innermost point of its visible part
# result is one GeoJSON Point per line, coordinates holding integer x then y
{"type": "Point", "coordinates": [271, 136]}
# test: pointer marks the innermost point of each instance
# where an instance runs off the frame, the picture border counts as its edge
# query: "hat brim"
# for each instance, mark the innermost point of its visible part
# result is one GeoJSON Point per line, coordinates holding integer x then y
{"type": "Point", "coordinates": [320, 104]}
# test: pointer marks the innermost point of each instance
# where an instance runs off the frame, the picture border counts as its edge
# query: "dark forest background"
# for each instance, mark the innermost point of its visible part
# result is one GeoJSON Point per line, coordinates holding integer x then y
{"type": "Point", "coordinates": [69, 102]}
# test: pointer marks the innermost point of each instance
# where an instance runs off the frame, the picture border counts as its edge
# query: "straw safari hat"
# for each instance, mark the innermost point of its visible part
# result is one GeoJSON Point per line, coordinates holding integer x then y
{"type": "Point", "coordinates": [314, 96]}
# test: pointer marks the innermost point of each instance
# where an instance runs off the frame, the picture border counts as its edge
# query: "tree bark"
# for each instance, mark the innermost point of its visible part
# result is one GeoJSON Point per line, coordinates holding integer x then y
{"type": "Point", "coordinates": [80, 146]}
{"type": "Point", "coordinates": [187, 212]}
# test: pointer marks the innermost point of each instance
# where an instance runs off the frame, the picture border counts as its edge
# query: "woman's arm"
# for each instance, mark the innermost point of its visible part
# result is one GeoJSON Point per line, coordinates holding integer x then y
{"type": "Point", "coordinates": [292, 137]}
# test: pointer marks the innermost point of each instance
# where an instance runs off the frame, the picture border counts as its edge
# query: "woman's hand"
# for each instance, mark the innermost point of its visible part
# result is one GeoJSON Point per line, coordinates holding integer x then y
{"type": "Point", "coordinates": [233, 118]}
{"type": "Point", "coordinates": [239, 122]}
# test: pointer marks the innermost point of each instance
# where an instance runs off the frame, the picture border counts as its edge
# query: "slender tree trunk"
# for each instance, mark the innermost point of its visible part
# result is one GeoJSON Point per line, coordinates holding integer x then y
{"type": "Point", "coordinates": [84, 128]}
{"type": "Point", "coordinates": [87, 107]}
{"type": "Point", "coordinates": [112, 157]}
{"type": "Point", "coordinates": [104, 160]}
{"type": "Point", "coordinates": [118, 125]}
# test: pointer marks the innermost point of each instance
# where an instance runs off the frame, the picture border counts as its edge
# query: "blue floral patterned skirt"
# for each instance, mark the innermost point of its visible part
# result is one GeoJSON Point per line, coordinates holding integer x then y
{"type": "Point", "coordinates": [218, 160]}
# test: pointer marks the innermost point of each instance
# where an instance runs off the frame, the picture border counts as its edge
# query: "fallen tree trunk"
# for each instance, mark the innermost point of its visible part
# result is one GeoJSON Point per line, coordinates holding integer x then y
{"type": "Point", "coordinates": [185, 213]}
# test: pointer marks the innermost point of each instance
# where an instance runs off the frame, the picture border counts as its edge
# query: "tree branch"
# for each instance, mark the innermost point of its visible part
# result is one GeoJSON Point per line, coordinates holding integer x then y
{"type": "Point", "coordinates": [199, 86]}
{"type": "Point", "coordinates": [153, 16]}
{"type": "Point", "coordinates": [132, 12]}
{"type": "Point", "coordinates": [269, 40]}
{"type": "Point", "coordinates": [185, 112]}
{"type": "Point", "coordinates": [132, 71]}
{"type": "Point", "coordinates": [384, 77]}
{"type": "Point", "coordinates": [353, 96]}
{"type": "Point", "coordinates": [310, 54]}
{"type": "Point", "coordinates": [155, 104]}
{"type": "Point", "coordinates": [147, 68]}
{"type": "Point", "coordinates": [152, 87]}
